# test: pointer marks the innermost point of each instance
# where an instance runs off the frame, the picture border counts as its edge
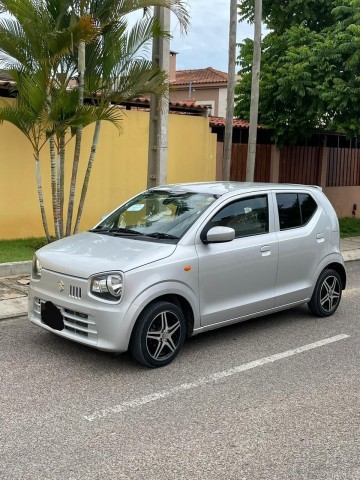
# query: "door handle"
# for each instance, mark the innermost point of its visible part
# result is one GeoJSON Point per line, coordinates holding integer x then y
{"type": "Point", "coordinates": [320, 237]}
{"type": "Point", "coordinates": [265, 250]}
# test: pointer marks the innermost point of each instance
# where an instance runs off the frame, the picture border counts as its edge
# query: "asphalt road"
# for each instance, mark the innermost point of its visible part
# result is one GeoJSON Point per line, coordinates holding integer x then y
{"type": "Point", "coordinates": [238, 403]}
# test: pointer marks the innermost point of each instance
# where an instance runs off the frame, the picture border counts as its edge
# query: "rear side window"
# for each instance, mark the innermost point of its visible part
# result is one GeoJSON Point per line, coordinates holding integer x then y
{"type": "Point", "coordinates": [295, 209]}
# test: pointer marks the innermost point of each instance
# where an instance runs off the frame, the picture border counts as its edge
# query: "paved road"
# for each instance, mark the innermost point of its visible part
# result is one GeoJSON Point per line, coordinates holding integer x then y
{"type": "Point", "coordinates": [238, 403]}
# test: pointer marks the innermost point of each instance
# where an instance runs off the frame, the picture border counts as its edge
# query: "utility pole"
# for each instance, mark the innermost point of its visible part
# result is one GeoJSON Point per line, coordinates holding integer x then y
{"type": "Point", "coordinates": [159, 108]}
{"type": "Point", "coordinates": [230, 91]}
{"type": "Point", "coordinates": [254, 106]}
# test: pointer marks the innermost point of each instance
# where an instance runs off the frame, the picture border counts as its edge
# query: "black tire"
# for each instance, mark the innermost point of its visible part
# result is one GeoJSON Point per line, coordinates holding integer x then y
{"type": "Point", "coordinates": [327, 294]}
{"type": "Point", "coordinates": [158, 335]}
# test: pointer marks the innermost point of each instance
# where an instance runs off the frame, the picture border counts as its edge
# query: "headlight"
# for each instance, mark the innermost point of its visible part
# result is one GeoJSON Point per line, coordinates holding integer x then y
{"type": "Point", "coordinates": [36, 268]}
{"type": "Point", "coordinates": [108, 286]}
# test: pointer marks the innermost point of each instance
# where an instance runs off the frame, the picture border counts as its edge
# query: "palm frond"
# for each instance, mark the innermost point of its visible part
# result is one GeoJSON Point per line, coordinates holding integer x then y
{"type": "Point", "coordinates": [141, 79]}
{"type": "Point", "coordinates": [178, 7]}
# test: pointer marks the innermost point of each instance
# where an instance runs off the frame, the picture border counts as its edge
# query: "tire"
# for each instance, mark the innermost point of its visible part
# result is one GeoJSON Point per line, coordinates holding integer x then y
{"type": "Point", "coordinates": [158, 335]}
{"type": "Point", "coordinates": [327, 294]}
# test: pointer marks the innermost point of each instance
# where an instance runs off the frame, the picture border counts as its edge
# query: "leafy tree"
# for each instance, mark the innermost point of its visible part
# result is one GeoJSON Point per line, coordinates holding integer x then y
{"type": "Point", "coordinates": [310, 69]}
{"type": "Point", "coordinates": [279, 16]}
{"type": "Point", "coordinates": [46, 46]}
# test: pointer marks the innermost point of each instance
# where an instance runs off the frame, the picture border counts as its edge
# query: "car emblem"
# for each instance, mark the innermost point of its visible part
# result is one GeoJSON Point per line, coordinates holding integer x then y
{"type": "Point", "coordinates": [61, 286]}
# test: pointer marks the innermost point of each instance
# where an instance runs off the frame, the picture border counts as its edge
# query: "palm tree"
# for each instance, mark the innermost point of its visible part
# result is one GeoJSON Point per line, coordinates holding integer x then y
{"type": "Point", "coordinates": [44, 44]}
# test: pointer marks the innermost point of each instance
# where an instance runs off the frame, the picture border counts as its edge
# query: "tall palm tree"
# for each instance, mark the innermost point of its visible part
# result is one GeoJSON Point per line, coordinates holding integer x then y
{"type": "Point", "coordinates": [43, 46]}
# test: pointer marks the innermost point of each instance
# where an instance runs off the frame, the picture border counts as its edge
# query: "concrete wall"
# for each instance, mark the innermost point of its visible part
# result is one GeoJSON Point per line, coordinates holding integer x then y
{"type": "Point", "coordinates": [343, 199]}
{"type": "Point", "coordinates": [120, 169]}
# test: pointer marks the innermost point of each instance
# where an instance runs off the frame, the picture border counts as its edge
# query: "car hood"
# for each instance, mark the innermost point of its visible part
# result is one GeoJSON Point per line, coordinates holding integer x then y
{"type": "Point", "coordinates": [88, 253]}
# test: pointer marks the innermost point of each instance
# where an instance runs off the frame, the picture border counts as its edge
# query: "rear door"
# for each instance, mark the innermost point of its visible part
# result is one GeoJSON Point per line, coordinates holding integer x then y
{"type": "Point", "coordinates": [303, 235]}
{"type": "Point", "coordinates": [237, 278]}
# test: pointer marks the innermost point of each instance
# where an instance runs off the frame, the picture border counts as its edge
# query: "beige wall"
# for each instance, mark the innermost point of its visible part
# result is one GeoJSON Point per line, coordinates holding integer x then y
{"type": "Point", "coordinates": [120, 169]}
{"type": "Point", "coordinates": [343, 199]}
{"type": "Point", "coordinates": [198, 94]}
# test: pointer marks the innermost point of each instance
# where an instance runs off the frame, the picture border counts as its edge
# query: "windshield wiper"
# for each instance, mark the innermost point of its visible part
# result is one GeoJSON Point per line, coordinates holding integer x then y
{"type": "Point", "coordinates": [126, 231]}
{"type": "Point", "coordinates": [115, 230]}
{"type": "Point", "coordinates": [161, 236]}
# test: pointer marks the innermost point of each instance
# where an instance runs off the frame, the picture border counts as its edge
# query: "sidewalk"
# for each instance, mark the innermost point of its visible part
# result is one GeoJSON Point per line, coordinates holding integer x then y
{"type": "Point", "coordinates": [13, 288]}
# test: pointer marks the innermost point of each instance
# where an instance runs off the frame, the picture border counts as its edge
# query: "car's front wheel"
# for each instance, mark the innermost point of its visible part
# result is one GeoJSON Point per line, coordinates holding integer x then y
{"type": "Point", "coordinates": [327, 294]}
{"type": "Point", "coordinates": [158, 335]}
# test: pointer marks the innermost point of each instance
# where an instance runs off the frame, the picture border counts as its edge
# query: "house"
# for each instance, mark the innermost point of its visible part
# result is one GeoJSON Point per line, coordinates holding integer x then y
{"type": "Point", "coordinates": [205, 86]}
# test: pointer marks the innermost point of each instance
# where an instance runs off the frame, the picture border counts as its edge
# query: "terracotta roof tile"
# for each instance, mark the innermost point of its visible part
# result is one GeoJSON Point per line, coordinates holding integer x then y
{"type": "Point", "coordinates": [220, 122]}
{"type": "Point", "coordinates": [182, 103]}
{"type": "Point", "coordinates": [201, 75]}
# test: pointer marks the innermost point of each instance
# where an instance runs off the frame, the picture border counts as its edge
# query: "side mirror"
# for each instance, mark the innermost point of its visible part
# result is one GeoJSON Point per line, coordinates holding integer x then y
{"type": "Point", "coordinates": [219, 235]}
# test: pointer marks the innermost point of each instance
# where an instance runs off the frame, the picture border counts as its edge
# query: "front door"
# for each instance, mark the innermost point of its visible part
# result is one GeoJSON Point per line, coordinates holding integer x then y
{"type": "Point", "coordinates": [237, 278]}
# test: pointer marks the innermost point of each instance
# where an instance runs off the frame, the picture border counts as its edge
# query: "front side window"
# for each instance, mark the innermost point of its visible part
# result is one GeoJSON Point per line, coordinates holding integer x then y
{"type": "Point", "coordinates": [295, 209]}
{"type": "Point", "coordinates": [158, 214]}
{"type": "Point", "coordinates": [248, 216]}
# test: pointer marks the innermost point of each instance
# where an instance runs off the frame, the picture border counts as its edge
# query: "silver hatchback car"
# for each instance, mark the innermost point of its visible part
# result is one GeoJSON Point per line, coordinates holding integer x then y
{"type": "Point", "coordinates": [178, 260]}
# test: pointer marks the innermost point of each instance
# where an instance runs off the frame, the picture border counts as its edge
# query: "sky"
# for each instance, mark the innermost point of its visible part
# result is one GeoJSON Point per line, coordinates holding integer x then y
{"type": "Point", "coordinates": [207, 42]}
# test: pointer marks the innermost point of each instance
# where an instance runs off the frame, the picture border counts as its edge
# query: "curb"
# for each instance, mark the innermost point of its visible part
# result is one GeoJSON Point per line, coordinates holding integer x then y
{"type": "Point", "coordinates": [15, 268]}
{"type": "Point", "coordinates": [351, 255]}
{"type": "Point", "coordinates": [15, 307]}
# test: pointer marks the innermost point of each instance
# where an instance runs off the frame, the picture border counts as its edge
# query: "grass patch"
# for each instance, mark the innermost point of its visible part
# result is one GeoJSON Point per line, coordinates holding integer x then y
{"type": "Point", "coordinates": [20, 249]}
{"type": "Point", "coordinates": [349, 227]}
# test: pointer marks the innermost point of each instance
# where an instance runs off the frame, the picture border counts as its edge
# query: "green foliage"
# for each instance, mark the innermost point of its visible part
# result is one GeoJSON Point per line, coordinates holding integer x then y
{"type": "Point", "coordinates": [310, 76]}
{"type": "Point", "coordinates": [281, 15]}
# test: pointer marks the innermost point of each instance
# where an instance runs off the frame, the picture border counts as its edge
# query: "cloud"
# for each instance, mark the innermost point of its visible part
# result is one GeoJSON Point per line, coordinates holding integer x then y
{"type": "Point", "coordinates": [207, 42]}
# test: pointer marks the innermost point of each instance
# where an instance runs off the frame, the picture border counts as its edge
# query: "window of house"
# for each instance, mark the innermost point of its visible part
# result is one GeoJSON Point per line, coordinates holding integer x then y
{"type": "Point", "coordinates": [248, 216]}
{"type": "Point", "coordinates": [295, 209]}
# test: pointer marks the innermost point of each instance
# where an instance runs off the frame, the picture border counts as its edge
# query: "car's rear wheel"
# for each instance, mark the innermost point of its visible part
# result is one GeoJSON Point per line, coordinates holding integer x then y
{"type": "Point", "coordinates": [327, 294]}
{"type": "Point", "coordinates": [158, 335]}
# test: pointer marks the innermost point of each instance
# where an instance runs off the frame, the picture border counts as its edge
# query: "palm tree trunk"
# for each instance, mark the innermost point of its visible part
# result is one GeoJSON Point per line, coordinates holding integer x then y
{"type": "Point", "coordinates": [54, 191]}
{"type": "Point", "coordinates": [87, 174]}
{"type": "Point", "coordinates": [81, 70]}
{"type": "Point", "coordinates": [61, 184]}
{"type": "Point", "coordinates": [40, 195]}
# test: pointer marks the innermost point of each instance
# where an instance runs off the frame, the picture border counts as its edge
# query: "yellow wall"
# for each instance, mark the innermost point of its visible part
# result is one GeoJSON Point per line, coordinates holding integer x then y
{"type": "Point", "coordinates": [119, 172]}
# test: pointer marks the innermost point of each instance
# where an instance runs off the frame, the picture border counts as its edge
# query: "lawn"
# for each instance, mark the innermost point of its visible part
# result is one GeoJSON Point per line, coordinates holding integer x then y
{"type": "Point", "coordinates": [23, 249]}
{"type": "Point", "coordinates": [19, 250]}
{"type": "Point", "coordinates": [349, 227]}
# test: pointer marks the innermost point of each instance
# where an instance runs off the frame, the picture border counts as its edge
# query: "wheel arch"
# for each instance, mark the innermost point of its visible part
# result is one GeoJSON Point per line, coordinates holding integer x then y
{"type": "Point", "coordinates": [178, 300]}
{"type": "Point", "coordinates": [339, 268]}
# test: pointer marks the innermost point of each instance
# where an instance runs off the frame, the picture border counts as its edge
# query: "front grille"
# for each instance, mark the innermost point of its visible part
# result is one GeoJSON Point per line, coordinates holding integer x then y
{"type": "Point", "coordinates": [75, 322]}
{"type": "Point", "coordinates": [75, 292]}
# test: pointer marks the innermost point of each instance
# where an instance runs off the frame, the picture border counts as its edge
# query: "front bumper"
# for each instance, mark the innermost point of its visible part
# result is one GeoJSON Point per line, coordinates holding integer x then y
{"type": "Point", "coordinates": [87, 320]}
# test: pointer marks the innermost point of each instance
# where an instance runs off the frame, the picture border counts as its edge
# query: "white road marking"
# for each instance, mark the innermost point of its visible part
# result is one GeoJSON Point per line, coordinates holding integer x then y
{"type": "Point", "coordinates": [153, 397]}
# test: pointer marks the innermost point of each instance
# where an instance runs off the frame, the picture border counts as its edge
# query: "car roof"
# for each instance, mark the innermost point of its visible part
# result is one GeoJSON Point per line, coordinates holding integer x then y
{"type": "Point", "coordinates": [222, 188]}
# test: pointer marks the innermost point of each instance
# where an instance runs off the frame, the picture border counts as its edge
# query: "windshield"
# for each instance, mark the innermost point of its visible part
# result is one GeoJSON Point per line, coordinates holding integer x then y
{"type": "Point", "coordinates": [158, 214]}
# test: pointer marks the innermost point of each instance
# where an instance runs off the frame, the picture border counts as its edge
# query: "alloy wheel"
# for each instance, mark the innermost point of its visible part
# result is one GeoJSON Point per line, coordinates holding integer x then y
{"type": "Point", "coordinates": [330, 293]}
{"type": "Point", "coordinates": [163, 335]}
